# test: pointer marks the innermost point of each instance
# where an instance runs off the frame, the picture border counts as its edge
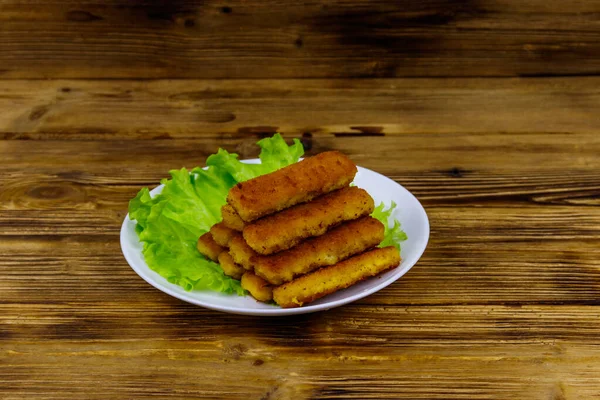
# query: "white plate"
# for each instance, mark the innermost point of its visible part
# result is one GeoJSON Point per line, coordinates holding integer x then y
{"type": "Point", "coordinates": [409, 212]}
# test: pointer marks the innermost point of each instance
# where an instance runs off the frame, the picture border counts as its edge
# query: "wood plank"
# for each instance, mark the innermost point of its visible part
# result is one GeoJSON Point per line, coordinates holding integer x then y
{"type": "Point", "coordinates": [163, 109]}
{"type": "Point", "coordinates": [143, 369]}
{"type": "Point", "coordinates": [504, 169]}
{"type": "Point", "coordinates": [78, 270]}
{"type": "Point", "coordinates": [288, 39]}
{"type": "Point", "coordinates": [352, 352]}
{"type": "Point", "coordinates": [354, 325]}
{"type": "Point", "coordinates": [461, 156]}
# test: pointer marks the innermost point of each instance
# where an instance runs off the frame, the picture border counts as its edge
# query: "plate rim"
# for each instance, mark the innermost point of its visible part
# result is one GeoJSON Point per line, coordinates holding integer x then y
{"type": "Point", "coordinates": [126, 249]}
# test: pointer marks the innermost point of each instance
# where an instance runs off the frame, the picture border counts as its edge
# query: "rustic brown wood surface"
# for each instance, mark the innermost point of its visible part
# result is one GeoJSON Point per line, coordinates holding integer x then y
{"type": "Point", "coordinates": [295, 39]}
{"type": "Point", "coordinates": [163, 109]}
{"type": "Point", "coordinates": [486, 110]}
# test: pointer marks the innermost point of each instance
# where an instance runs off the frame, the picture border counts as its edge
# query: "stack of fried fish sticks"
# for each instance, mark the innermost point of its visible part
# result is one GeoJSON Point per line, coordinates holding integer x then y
{"type": "Point", "coordinates": [299, 233]}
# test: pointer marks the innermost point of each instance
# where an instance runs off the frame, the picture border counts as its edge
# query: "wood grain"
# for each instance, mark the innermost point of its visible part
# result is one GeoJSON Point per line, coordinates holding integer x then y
{"type": "Point", "coordinates": [488, 113]}
{"type": "Point", "coordinates": [355, 351]}
{"type": "Point", "coordinates": [558, 158]}
{"type": "Point", "coordinates": [284, 38]}
{"type": "Point", "coordinates": [164, 109]}
{"type": "Point", "coordinates": [503, 304]}
{"type": "Point", "coordinates": [484, 271]}
{"type": "Point", "coordinates": [202, 368]}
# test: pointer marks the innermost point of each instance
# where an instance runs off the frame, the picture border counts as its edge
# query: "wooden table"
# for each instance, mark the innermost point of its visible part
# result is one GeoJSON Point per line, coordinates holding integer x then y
{"type": "Point", "coordinates": [488, 111]}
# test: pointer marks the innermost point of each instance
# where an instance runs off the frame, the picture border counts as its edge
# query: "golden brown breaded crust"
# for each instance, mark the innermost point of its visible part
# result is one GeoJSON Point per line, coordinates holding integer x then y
{"type": "Point", "coordinates": [347, 239]}
{"type": "Point", "coordinates": [230, 267]}
{"type": "Point", "coordinates": [221, 234]}
{"type": "Point", "coordinates": [291, 185]}
{"type": "Point", "coordinates": [231, 219]}
{"type": "Point", "coordinates": [241, 253]}
{"type": "Point", "coordinates": [327, 280]}
{"type": "Point", "coordinates": [285, 229]}
{"type": "Point", "coordinates": [258, 287]}
{"type": "Point", "coordinates": [208, 247]}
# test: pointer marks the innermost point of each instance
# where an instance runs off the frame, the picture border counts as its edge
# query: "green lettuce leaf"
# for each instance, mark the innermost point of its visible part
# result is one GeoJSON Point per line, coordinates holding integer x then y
{"type": "Point", "coordinates": [393, 235]}
{"type": "Point", "coordinates": [140, 207]}
{"type": "Point", "coordinates": [170, 223]}
{"type": "Point", "coordinates": [274, 154]}
{"type": "Point", "coordinates": [229, 163]}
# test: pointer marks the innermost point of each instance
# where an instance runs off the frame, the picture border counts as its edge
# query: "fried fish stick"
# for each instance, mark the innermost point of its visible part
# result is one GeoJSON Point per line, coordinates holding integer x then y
{"type": "Point", "coordinates": [258, 287]}
{"type": "Point", "coordinates": [208, 247]}
{"type": "Point", "coordinates": [231, 219]}
{"type": "Point", "coordinates": [230, 267]}
{"type": "Point", "coordinates": [327, 280]}
{"type": "Point", "coordinates": [241, 253]}
{"type": "Point", "coordinates": [291, 185]}
{"type": "Point", "coordinates": [221, 234]}
{"type": "Point", "coordinates": [344, 241]}
{"type": "Point", "coordinates": [289, 227]}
